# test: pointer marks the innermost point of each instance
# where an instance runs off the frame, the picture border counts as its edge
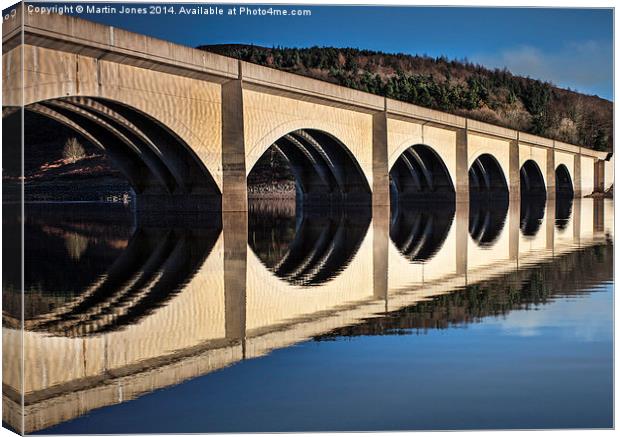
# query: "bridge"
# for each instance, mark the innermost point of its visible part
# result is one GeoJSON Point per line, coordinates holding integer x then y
{"type": "Point", "coordinates": [186, 127]}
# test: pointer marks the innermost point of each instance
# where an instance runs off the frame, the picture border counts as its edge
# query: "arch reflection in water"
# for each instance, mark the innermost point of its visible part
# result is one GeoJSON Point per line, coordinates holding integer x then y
{"type": "Point", "coordinates": [532, 214]}
{"type": "Point", "coordinates": [65, 251]}
{"type": "Point", "coordinates": [420, 231]}
{"type": "Point", "coordinates": [563, 211]}
{"type": "Point", "coordinates": [95, 269]}
{"type": "Point", "coordinates": [305, 246]}
{"type": "Point", "coordinates": [486, 220]}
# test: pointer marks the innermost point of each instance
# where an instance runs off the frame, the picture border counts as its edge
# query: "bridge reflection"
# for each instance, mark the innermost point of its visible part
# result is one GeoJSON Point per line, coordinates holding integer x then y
{"type": "Point", "coordinates": [532, 214]}
{"type": "Point", "coordinates": [65, 251]}
{"type": "Point", "coordinates": [498, 296]}
{"type": "Point", "coordinates": [112, 270]}
{"type": "Point", "coordinates": [563, 211]}
{"type": "Point", "coordinates": [117, 305]}
{"type": "Point", "coordinates": [486, 220]}
{"type": "Point", "coordinates": [419, 231]}
{"type": "Point", "coordinates": [305, 246]}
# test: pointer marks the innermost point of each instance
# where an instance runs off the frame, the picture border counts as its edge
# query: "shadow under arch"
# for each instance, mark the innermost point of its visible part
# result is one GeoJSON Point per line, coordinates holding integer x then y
{"type": "Point", "coordinates": [419, 233]}
{"type": "Point", "coordinates": [563, 182]}
{"type": "Point", "coordinates": [164, 172]}
{"type": "Point", "coordinates": [419, 174]}
{"type": "Point", "coordinates": [487, 180]}
{"type": "Point", "coordinates": [533, 198]}
{"type": "Point", "coordinates": [149, 265]}
{"type": "Point", "coordinates": [325, 171]}
{"type": "Point", "coordinates": [304, 246]}
{"type": "Point", "coordinates": [532, 180]}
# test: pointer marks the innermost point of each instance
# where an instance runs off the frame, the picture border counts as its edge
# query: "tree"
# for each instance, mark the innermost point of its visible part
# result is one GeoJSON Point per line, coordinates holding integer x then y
{"type": "Point", "coordinates": [600, 140]}
{"type": "Point", "coordinates": [455, 86]}
{"type": "Point", "coordinates": [73, 150]}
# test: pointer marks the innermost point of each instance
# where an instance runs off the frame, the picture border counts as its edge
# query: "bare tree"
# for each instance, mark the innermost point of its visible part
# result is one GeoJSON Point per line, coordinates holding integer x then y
{"type": "Point", "coordinates": [73, 150]}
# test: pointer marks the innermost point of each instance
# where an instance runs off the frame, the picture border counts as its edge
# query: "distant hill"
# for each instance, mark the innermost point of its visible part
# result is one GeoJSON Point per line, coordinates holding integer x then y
{"type": "Point", "coordinates": [459, 87]}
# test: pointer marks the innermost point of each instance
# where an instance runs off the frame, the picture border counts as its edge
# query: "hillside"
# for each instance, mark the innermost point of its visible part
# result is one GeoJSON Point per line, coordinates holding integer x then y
{"type": "Point", "coordinates": [460, 87]}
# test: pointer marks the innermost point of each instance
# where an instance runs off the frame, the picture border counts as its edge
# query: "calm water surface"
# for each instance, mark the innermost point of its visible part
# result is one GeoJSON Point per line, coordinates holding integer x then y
{"type": "Point", "coordinates": [434, 317]}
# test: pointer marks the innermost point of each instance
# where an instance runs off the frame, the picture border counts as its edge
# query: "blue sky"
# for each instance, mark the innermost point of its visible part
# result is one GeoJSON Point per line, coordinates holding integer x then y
{"type": "Point", "coordinates": [569, 47]}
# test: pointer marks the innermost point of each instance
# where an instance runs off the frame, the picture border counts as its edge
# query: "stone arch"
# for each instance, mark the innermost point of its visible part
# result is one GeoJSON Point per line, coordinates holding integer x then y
{"type": "Point", "coordinates": [420, 174]}
{"type": "Point", "coordinates": [256, 149]}
{"type": "Point", "coordinates": [532, 180]}
{"type": "Point", "coordinates": [162, 168]}
{"type": "Point", "coordinates": [189, 107]}
{"type": "Point", "coordinates": [563, 182]}
{"type": "Point", "coordinates": [325, 170]}
{"type": "Point", "coordinates": [487, 179]}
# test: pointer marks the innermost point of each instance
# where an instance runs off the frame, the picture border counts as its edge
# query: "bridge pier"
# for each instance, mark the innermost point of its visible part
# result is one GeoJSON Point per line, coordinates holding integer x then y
{"type": "Point", "coordinates": [234, 177]}
{"type": "Point", "coordinates": [514, 231]}
{"type": "Point", "coordinates": [235, 231]}
{"type": "Point", "coordinates": [598, 216]}
{"type": "Point", "coordinates": [462, 166]}
{"type": "Point", "coordinates": [461, 218]}
{"type": "Point", "coordinates": [577, 181]}
{"type": "Point", "coordinates": [514, 172]}
{"type": "Point", "coordinates": [380, 170]}
{"type": "Point", "coordinates": [551, 173]}
{"type": "Point", "coordinates": [576, 217]}
{"type": "Point", "coordinates": [381, 237]}
{"type": "Point", "coordinates": [550, 223]}
{"type": "Point", "coordinates": [599, 175]}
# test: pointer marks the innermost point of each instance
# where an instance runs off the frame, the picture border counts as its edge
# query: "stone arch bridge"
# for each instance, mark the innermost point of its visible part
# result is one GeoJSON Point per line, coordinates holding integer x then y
{"type": "Point", "coordinates": [186, 127]}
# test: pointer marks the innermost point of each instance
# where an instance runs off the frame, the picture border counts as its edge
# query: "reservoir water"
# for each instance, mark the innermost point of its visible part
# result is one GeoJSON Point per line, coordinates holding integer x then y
{"type": "Point", "coordinates": [430, 317]}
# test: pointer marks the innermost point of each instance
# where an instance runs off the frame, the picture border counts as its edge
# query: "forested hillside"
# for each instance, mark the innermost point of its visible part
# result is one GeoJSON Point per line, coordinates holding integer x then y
{"type": "Point", "coordinates": [460, 87]}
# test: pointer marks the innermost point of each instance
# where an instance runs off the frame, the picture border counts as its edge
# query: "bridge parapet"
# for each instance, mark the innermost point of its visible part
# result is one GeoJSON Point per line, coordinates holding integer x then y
{"type": "Point", "coordinates": [559, 145]}
{"type": "Point", "coordinates": [492, 130]}
{"type": "Point", "coordinates": [408, 110]}
{"type": "Point", "coordinates": [535, 140]}
{"type": "Point", "coordinates": [75, 35]}
{"type": "Point", "coordinates": [293, 83]}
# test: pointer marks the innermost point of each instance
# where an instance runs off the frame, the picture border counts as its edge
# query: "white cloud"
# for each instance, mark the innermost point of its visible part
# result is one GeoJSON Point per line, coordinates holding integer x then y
{"type": "Point", "coordinates": [585, 318]}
